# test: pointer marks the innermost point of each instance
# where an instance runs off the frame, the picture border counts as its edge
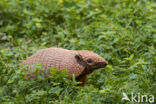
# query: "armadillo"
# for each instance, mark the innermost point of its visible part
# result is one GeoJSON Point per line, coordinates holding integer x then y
{"type": "Point", "coordinates": [77, 62]}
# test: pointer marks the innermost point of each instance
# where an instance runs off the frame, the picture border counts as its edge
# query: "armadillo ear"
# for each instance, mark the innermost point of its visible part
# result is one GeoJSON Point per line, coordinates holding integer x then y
{"type": "Point", "coordinates": [78, 57]}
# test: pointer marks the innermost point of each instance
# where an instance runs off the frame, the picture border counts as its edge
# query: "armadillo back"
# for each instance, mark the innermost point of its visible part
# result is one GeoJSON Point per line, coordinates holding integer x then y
{"type": "Point", "coordinates": [55, 57]}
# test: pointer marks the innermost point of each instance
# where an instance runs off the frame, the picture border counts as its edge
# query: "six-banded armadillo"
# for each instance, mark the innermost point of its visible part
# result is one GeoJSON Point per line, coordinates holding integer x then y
{"type": "Point", "coordinates": [81, 62]}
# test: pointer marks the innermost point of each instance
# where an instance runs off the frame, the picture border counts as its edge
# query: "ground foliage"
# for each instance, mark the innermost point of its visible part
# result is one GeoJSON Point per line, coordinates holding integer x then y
{"type": "Point", "coordinates": [121, 31]}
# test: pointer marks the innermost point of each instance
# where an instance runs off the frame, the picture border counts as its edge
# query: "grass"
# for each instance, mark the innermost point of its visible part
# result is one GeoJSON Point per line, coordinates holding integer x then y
{"type": "Point", "coordinates": [121, 31]}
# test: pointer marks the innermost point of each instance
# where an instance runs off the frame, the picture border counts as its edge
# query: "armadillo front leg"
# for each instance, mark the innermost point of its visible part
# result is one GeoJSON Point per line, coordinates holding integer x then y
{"type": "Point", "coordinates": [82, 78]}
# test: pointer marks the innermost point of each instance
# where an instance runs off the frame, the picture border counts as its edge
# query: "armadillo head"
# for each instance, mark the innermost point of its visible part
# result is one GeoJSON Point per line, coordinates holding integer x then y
{"type": "Point", "coordinates": [90, 60]}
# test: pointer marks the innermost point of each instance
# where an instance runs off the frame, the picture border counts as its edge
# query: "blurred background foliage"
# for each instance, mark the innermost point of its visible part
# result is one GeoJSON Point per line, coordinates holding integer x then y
{"type": "Point", "coordinates": [121, 31]}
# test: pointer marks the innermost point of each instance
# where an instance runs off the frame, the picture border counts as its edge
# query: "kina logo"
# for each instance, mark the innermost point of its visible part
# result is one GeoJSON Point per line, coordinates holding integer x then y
{"type": "Point", "coordinates": [138, 98]}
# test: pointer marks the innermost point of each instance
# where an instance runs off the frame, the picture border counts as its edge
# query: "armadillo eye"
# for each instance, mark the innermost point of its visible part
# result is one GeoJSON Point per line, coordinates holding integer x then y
{"type": "Point", "coordinates": [89, 61]}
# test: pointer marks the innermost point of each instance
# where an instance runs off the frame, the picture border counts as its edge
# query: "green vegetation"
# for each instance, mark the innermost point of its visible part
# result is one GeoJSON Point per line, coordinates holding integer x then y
{"type": "Point", "coordinates": [121, 31]}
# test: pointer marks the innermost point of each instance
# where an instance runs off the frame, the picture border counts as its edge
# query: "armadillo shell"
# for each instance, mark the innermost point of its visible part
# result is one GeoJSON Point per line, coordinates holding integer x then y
{"type": "Point", "coordinates": [55, 57]}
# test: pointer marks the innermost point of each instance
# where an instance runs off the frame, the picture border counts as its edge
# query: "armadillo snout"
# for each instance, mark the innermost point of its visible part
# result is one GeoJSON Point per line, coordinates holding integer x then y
{"type": "Point", "coordinates": [103, 64]}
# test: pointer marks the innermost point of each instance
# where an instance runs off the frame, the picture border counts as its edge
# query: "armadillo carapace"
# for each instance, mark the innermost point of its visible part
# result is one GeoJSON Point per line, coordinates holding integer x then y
{"type": "Point", "coordinates": [80, 62]}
